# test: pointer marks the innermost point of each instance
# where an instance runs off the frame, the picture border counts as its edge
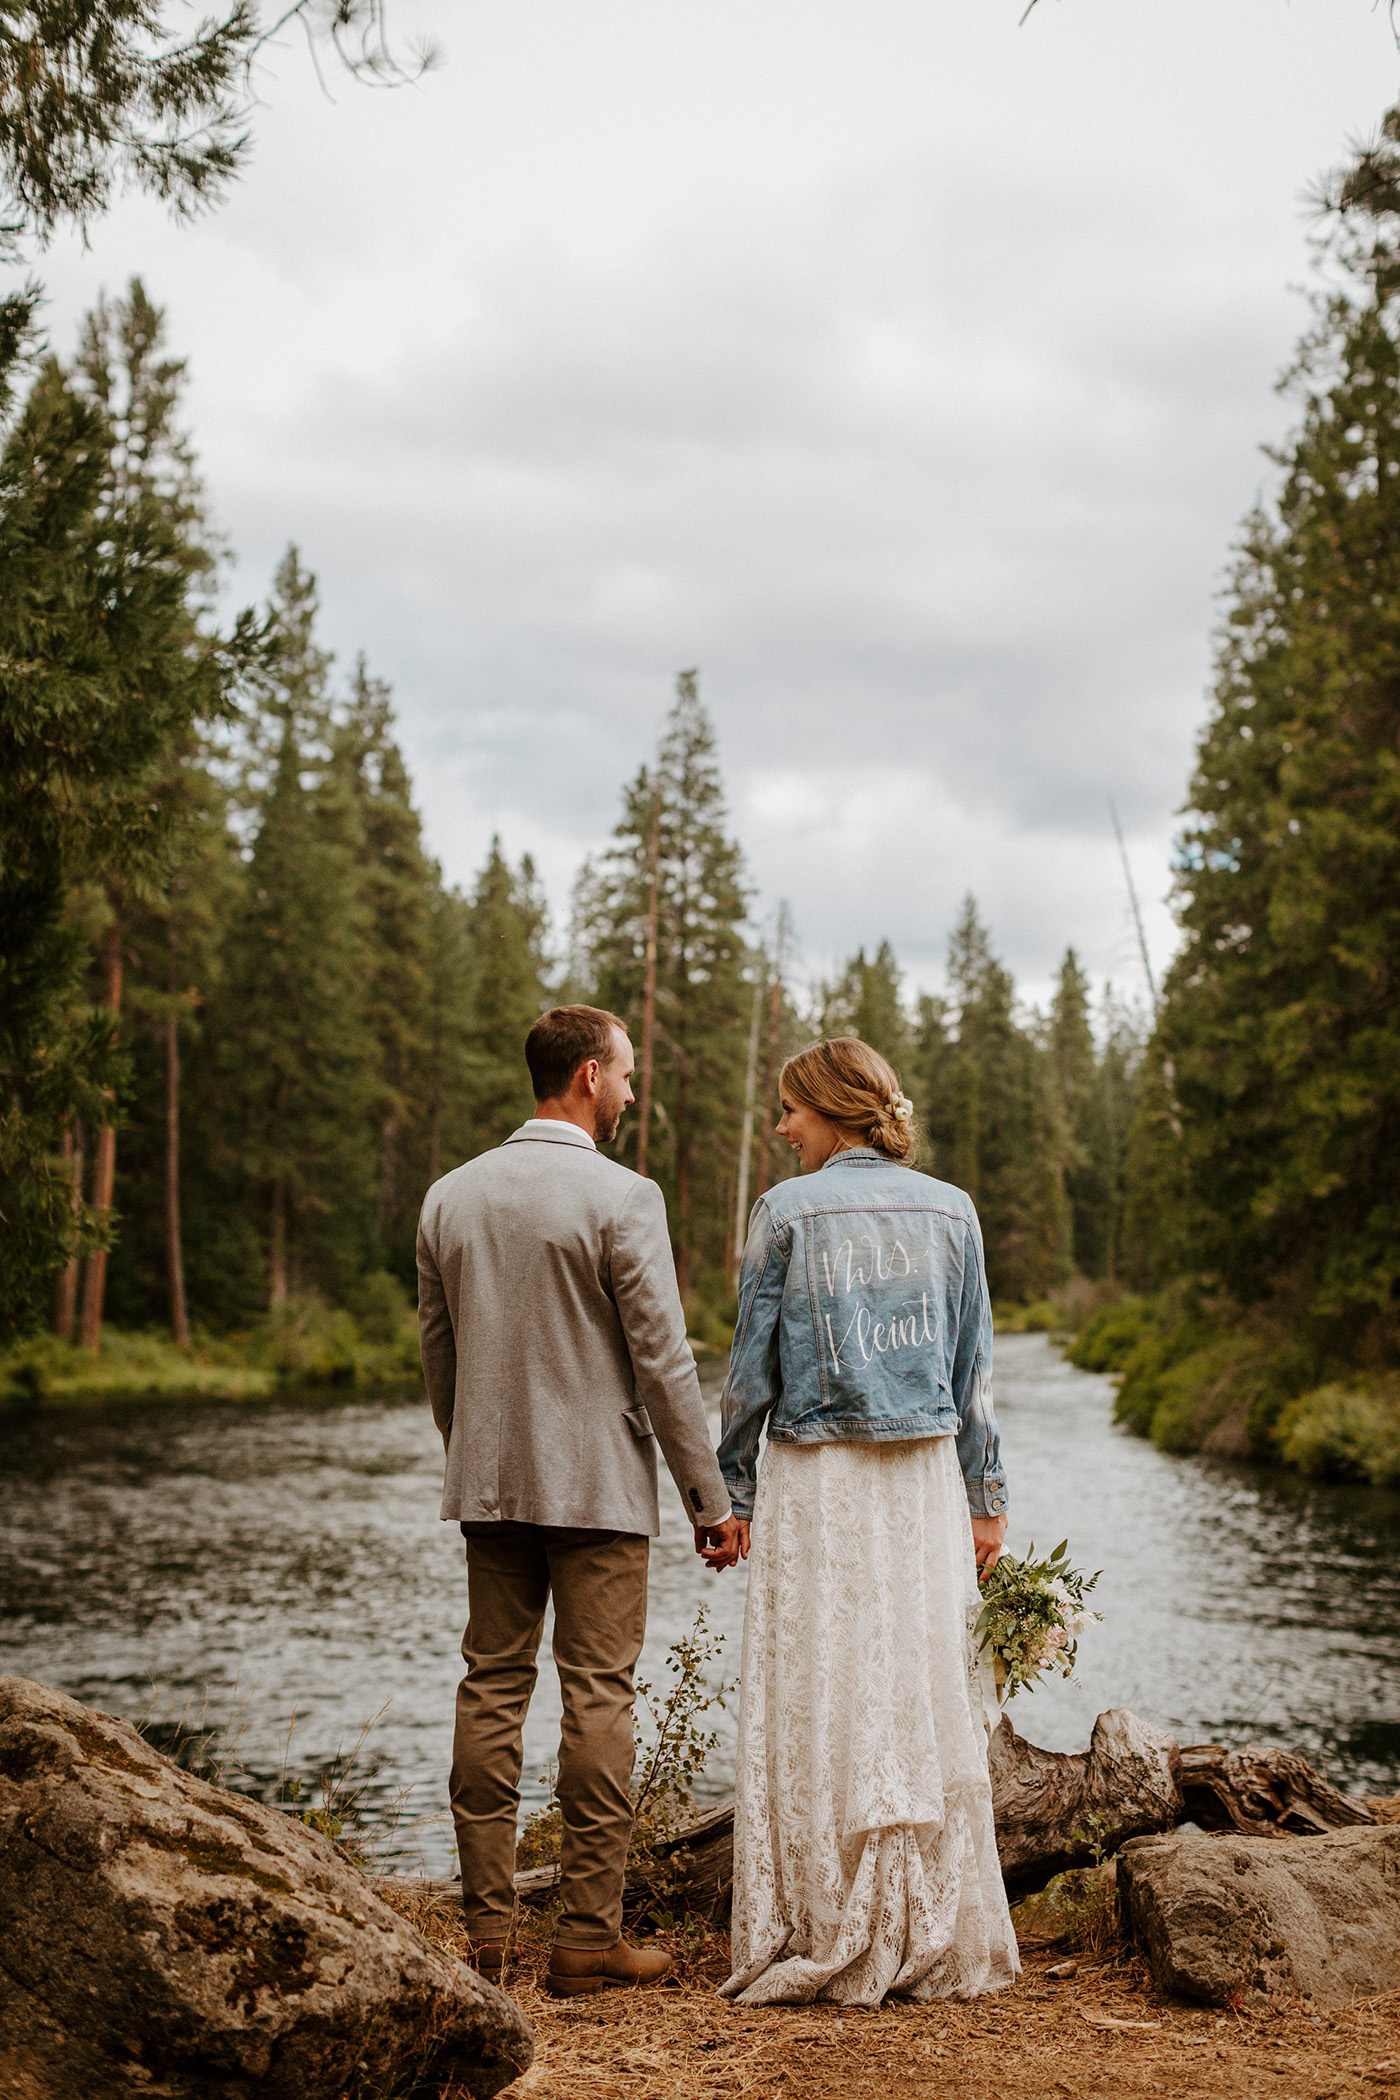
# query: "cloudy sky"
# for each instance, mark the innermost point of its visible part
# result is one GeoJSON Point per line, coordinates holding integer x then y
{"type": "Point", "coordinates": [904, 368]}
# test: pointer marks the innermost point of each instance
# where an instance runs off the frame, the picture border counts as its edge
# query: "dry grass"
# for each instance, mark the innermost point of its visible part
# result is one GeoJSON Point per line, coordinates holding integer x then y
{"type": "Point", "coordinates": [1098, 2035]}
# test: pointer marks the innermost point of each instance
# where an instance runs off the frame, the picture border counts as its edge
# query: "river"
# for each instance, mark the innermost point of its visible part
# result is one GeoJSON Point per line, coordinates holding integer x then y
{"type": "Point", "coordinates": [280, 1570]}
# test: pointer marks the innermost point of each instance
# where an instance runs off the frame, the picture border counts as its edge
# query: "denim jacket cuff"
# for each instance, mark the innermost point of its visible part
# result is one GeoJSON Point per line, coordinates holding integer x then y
{"type": "Point", "coordinates": [987, 1497]}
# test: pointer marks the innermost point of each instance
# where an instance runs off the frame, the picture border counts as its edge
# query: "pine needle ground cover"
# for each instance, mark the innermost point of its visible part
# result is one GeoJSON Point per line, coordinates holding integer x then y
{"type": "Point", "coordinates": [1098, 2035]}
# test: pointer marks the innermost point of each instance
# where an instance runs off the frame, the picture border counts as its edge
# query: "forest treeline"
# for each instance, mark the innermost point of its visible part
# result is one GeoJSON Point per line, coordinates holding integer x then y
{"type": "Point", "coordinates": [244, 1021]}
{"type": "Point", "coordinates": [247, 1020]}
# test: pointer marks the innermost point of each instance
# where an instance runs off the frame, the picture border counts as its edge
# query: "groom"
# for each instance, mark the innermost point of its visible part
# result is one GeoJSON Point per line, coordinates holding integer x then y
{"type": "Point", "coordinates": [555, 1357]}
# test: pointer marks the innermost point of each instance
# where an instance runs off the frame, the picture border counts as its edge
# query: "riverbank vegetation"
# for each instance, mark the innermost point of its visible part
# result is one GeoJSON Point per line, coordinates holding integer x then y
{"type": "Point", "coordinates": [303, 1347]}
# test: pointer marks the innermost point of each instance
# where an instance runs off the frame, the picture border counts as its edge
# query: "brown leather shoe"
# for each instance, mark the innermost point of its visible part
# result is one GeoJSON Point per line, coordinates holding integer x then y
{"type": "Point", "coordinates": [487, 1957]}
{"type": "Point", "coordinates": [574, 1972]}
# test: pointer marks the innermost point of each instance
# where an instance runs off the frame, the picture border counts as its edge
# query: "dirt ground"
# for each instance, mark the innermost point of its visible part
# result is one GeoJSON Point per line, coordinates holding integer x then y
{"type": "Point", "coordinates": [1100, 2033]}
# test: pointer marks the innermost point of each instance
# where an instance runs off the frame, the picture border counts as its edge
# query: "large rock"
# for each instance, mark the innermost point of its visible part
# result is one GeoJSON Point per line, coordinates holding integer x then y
{"type": "Point", "coordinates": [161, 1937]}
{"type": "Point", "coordinates": [1294, 1917]}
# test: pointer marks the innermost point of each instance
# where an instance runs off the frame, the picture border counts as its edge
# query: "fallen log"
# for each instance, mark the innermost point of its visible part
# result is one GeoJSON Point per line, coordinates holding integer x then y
{"type": "Point", "coordinates": [1263, 1793]}
{"type": "Point", "coordinates": [1053, 1810]}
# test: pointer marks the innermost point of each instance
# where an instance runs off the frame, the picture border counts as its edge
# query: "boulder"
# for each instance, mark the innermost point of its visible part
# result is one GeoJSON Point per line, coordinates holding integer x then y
{"type": "Point", "coordinates": [161, 1937]}
{"type": "Point", "coordinates": [1220, 1916]}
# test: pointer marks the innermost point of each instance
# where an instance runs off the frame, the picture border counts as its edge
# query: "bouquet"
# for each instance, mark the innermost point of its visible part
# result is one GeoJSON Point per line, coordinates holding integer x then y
{"type": "Point", "coordinates": [1031, 1618]}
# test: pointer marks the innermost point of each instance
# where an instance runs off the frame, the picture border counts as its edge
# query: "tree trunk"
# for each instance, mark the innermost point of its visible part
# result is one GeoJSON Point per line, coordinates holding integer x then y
{"type": "Point", "coordinates": [770, 1070]}
{"type": "Point", "coordinates": [65, 1291]}
{"type": "Point", "coordinates": [741, 1200]}
{"type": "Point", "coordinates": [104, 1166]}
{"type": "Point", "coordinates": [277, 1245]}
{"type": "Point", "coordinates": [174, 1249]}
{"type": "Point", "coordinates": [435, 1141]}
{"type": "Point", "coordinates": [648, 1045]}
{"type": "Point", "coordinates": [387, 1201]}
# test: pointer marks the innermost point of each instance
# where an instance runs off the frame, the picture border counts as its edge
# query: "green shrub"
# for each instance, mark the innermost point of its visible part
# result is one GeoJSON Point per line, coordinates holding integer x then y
{"type": "Point", "coordinates": [380, 1307]}
{"type": "Point", "coordinates": [1194, 1395]}
{"type": "Point", "coordinates": [1342, 1432]}
{"type": "Point", "coordinates": [1110, 1338]}
{"type": "Point", "coordinates": [306, 1343]}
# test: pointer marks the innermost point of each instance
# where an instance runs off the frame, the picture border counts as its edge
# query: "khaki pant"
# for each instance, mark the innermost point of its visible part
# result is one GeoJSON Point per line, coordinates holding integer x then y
{"type": "Point", "coordinates": [599, 1583]}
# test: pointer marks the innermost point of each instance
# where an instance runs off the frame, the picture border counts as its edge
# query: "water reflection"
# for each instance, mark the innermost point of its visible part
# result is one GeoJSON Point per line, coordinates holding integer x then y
{"type": "Point", "coordinates": [288, 1558]}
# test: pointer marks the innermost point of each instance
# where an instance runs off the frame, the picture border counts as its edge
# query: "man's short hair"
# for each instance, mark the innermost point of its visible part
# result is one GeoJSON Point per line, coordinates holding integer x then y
{"type": "Point", "coordinates": [562, 1040]}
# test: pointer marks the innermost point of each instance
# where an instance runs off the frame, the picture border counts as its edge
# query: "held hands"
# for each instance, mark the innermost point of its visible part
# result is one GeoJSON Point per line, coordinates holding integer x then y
{"type": "Point", "coordinates": [988, 1538]}
{"type": "Point", "coordinates": [723, 1545]}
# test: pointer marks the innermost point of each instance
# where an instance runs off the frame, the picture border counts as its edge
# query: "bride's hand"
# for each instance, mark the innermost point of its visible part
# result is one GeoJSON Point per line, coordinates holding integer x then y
{"type": "Point", "coordinates": [988, 1538]}
{"type": "Point", "coordinates": [722, 1545]}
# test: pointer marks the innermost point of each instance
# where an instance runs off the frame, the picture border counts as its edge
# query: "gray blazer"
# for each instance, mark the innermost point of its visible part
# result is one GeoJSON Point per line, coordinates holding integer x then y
{"type": "Point", "coordinates": [554, 1343]}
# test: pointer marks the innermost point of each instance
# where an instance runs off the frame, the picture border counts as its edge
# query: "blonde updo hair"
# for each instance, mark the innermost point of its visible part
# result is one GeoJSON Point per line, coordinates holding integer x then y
{"type": "Point", "coordinates": [855, 1088]}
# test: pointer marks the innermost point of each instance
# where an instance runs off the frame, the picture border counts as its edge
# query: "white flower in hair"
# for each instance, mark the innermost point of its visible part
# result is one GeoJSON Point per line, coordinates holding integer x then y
{"type": "Point", "coordinates": [901, 1108]}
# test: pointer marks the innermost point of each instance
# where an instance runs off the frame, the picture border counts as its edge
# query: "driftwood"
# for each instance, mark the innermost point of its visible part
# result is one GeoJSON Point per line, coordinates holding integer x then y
{"type": "Point", "coordinates": [1053, 1810]}
{"type": "Point", "coordinates": [1263, 1793]}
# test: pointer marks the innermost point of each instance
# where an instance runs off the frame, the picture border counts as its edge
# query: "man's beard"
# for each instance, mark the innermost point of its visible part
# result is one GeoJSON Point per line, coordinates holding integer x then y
{"type": "Point", "coordinates": [605, 1122]}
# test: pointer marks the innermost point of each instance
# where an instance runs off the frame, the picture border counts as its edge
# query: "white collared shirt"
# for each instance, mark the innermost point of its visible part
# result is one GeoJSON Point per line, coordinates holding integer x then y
{"type": "Point", "coordinates": [556, 1127]}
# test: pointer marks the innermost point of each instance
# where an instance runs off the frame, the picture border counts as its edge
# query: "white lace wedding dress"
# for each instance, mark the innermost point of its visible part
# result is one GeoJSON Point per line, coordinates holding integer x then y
{"type": "Point", "coordinates": [865, 1859]}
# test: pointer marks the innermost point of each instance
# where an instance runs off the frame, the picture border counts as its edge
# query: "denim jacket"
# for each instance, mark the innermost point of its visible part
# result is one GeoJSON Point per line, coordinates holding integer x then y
{"type": "Point", "coordinates": [863, 1312]}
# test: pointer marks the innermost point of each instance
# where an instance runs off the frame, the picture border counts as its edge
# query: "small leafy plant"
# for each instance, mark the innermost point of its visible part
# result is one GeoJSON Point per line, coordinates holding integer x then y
{"type": "Point", "coordinates": [673, 1745]}
{"type": "Point", "coordinates": [1032, 1614]}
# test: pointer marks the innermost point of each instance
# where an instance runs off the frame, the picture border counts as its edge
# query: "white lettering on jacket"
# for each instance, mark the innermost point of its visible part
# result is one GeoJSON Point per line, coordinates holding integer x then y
{"type": "Point", "coordinates": [898, 1330]}
{"type": "Point", "coordinates": [857, 1264]}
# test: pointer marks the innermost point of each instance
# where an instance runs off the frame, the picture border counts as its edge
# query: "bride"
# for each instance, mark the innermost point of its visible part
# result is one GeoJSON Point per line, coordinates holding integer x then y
{"type": "Point", "coordinates": [865, 1859]}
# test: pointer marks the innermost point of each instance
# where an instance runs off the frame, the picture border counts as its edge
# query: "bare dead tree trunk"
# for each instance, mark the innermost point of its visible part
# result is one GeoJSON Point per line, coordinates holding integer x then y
{"type": "Point", "coordinates": [388, 1172]}
{"type": "Point", "coordinates": [770, 1054]}
{"type": "Point", "coordinates": [435, 1140]}
{"type": "Point", "coordinates": [104, 1167]}
{"type": "Point", "coordinates": [65, 1291]}
{"type": "Point", "coordinates": [648, 1046]}
{"type": "Point", "coordinates": [741, 1200]}
{"type": "Point", "coordinates": [683, 1157]}
{"type": "Point", "coordinates": [174, 1249]}
{"type": "Point", "coordinates": [277, 1245]}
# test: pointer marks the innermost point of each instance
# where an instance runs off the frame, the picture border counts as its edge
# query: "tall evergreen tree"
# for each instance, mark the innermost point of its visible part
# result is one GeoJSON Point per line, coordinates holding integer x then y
{"type": "Point", "coordinates": [507, 931]}
{"type": "Point", "coordinates": [1280, 1032]}
{"type": "Point", "coordinates": [397, 883]}
{"type": "Point", "coordinates": [702, 1001]}
{"type": "Point", "coordinates": [296, 1043]}
{"type": "Point", "coordinates": [107, 675]}
{"type": "Point", "coordinates": [1006, 1141]}
{"type": "Point", "coordinates": [1088, 1165]}
{"type": "Point", "coordinates": [866, 1001]}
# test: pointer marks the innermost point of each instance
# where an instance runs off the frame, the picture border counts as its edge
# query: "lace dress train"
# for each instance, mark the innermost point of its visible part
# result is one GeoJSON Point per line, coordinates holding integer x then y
{"type": "Point", "coordinates": [865, 1859]}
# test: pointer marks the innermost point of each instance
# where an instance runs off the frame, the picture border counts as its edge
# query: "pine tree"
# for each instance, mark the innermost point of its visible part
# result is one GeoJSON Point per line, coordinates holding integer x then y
{"type": "Point", "coordinates": [866, 1001]}
{"type": "Point", "coordinates": [702, 1000]}
{"type": "Point", "coordinates": [1081, 1104]}
{"type": "Point", "coordinates": [109, 673]}
{"type": "Point", "coordinates": [118, 93]}
{"type": "Point", "coordinates": [152, 532]}
{"type": "Point", "coordinates": [506, 931]}
{"type": "Point", "coordinates": [1006, 1138]}
{"type": "Point", "coordinates": [1279, 1043]}
{"type": "Point", "coordinates": [295, 1042]}
{"type": "Point", "coordinates": [397, 882]}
